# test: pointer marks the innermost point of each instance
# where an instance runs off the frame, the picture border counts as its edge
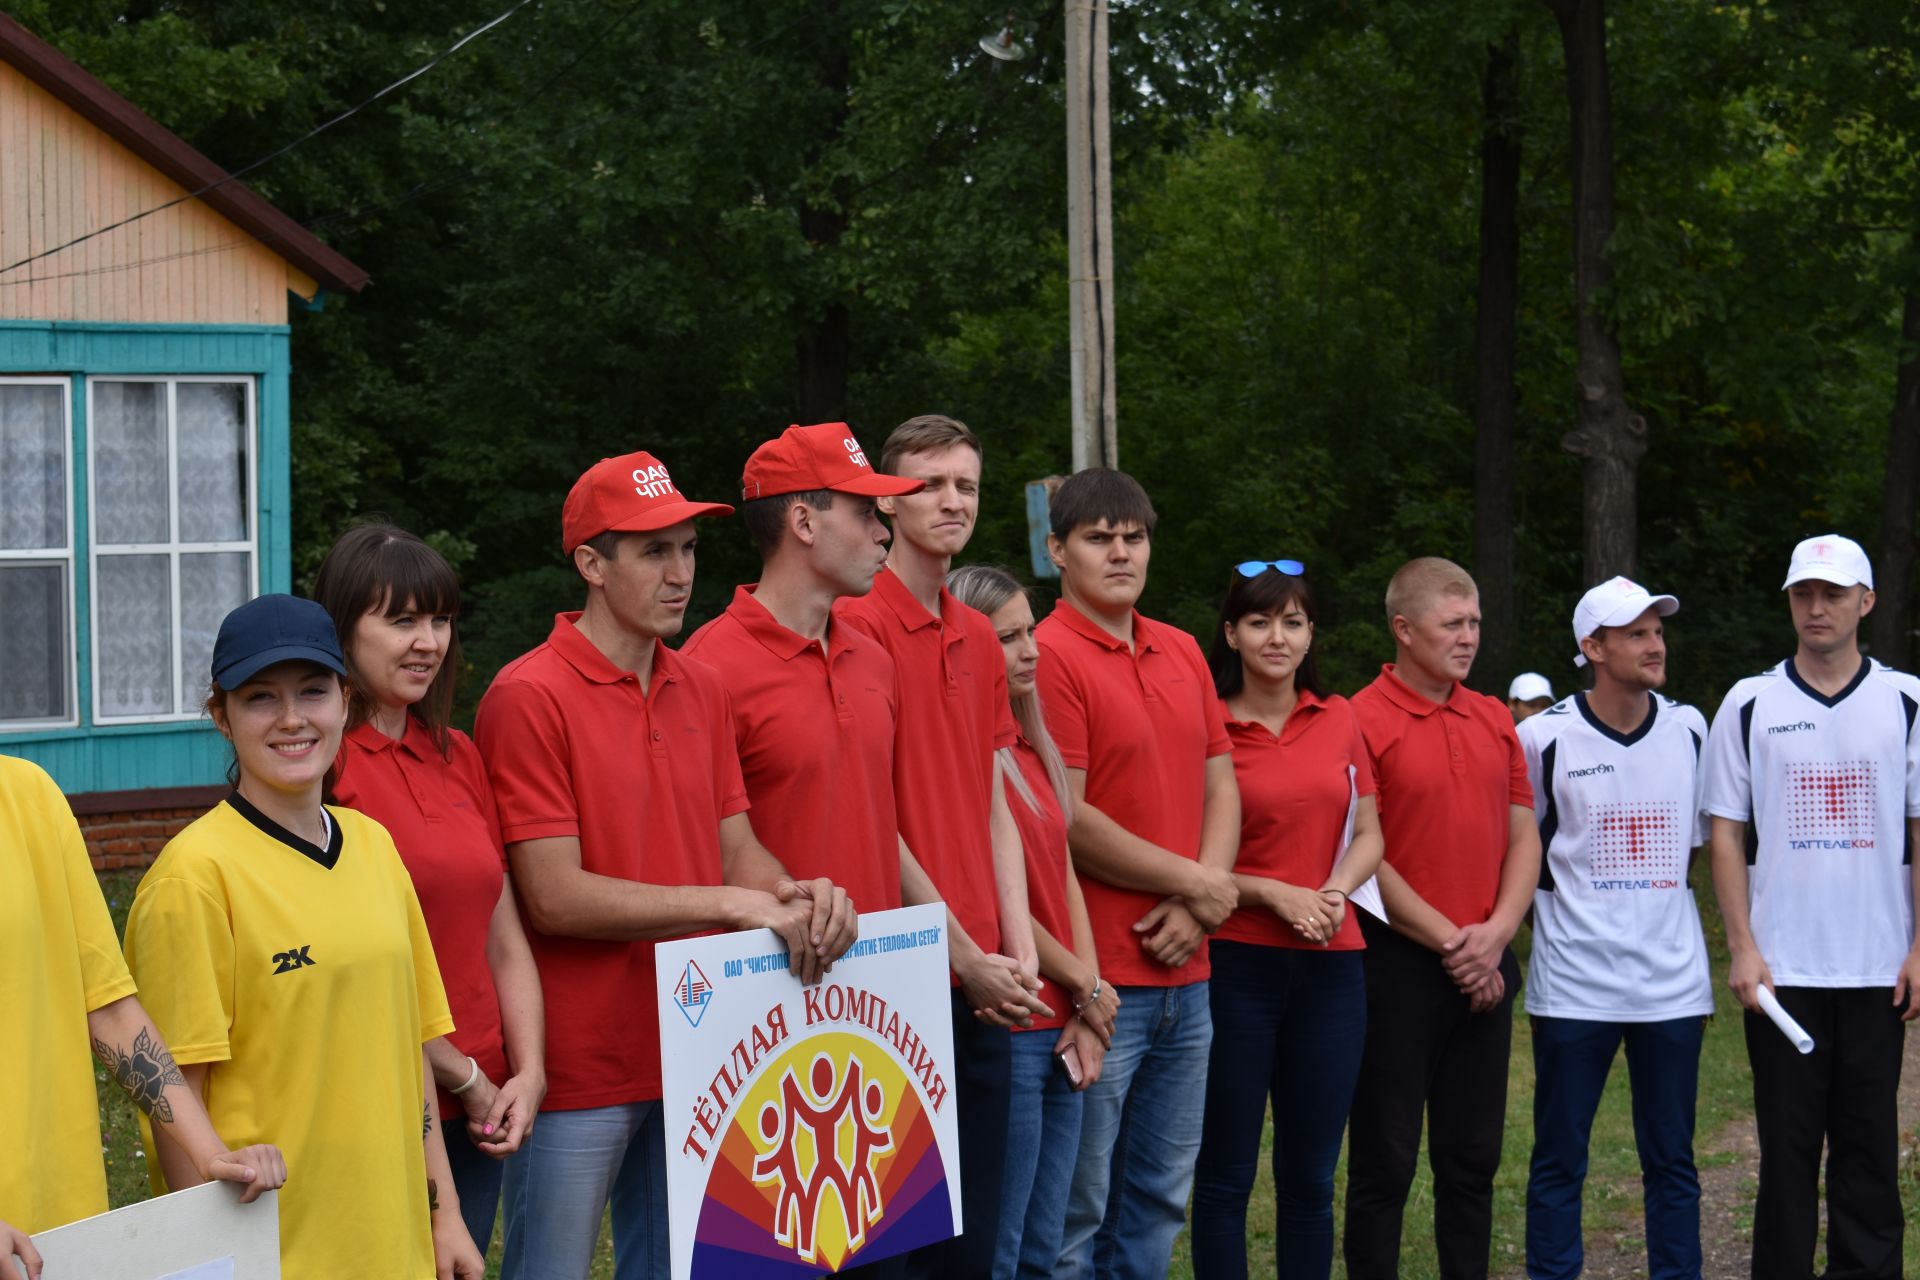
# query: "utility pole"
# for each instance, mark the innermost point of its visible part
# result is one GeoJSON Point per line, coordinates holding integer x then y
{"type": "Point", "coordinates": [1090, 236]}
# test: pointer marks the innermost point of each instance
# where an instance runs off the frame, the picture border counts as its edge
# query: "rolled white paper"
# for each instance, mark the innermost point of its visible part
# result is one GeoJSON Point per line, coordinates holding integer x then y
{"type": "Point", "coordinates": [1367, 895]}
{"type": "Point", "coordinates": [1792, 1030]}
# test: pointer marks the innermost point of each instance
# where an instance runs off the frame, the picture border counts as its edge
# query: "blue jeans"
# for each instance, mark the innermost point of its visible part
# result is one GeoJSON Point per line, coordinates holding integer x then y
{"type": "Point", "coordinates": [574, 1163]}
{"type": "Point", "coordinates": [476, 1180]}
{"type": "Point", "coordinates": [1043, 1133]}
{"type": "Point", "coordinates": [1571, 1058]}
{"type": "Point", "coordinates": [1292, 1025]}
{"type": "Point", "coordinates": [1139, 1134]}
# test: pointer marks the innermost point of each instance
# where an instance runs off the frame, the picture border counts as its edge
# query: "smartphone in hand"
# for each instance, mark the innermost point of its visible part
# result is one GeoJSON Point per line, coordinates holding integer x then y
{"type": "Point", "coordinates": [1070, 1063]}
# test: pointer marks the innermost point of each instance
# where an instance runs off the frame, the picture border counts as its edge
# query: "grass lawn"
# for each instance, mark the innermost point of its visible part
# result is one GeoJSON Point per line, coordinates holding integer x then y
{"type": "Point", "coordinates": [1613, 1178]}
{"type": "Point", "coordinates": [1613, 1186]}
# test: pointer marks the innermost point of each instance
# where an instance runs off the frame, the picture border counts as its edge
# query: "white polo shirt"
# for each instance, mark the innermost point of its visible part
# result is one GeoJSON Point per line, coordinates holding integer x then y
{"type": "Point", "coordinates": [1616, 935]}
{"type": "Point", "coordinates": [1825, 786]}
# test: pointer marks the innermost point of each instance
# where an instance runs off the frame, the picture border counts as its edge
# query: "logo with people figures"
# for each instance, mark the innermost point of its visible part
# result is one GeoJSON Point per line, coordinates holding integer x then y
{"type": "Point", "coordinates": [830, 1162]}
{"type": "Point", "coordinates": [819, 1110]}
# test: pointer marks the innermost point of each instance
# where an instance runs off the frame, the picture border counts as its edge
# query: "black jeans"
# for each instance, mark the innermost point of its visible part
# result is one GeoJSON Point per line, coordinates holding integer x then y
{"type": "Point", "coordinates": [983, 1083]}
{"type": "Point", "coordinates": [1287, 1025]}
{"type": "Point", "coordinates": [1427, 1057]}
{"type": "Point", "coordinates": [1845, 1092]}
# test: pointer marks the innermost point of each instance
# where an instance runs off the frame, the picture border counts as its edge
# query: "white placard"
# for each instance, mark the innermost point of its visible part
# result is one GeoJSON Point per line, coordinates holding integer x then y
{"type": "Point", "coordinates": [203, 1233]}
{"type": "Point", "coordinates": [219, 1269]}
{"type": "Point", "coordinates": [809, 1129]}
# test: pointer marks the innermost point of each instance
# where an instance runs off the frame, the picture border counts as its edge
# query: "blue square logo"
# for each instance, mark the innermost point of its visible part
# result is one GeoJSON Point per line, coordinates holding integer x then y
{"type": "Point", "coordinates": [692, 994]}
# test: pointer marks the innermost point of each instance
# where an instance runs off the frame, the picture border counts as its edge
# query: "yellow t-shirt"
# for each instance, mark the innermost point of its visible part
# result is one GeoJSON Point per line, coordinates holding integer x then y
{"type": "Point", "coordinates": [310, 990]}
{"type": "Point", "coordinates": [59, 962]}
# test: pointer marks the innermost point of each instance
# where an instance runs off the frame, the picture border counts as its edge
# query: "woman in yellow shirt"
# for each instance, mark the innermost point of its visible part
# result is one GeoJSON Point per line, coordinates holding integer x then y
{"type": "Point", "coordinates": [283, 951]}
{"type": "Point", "coordinates": [65, 987]}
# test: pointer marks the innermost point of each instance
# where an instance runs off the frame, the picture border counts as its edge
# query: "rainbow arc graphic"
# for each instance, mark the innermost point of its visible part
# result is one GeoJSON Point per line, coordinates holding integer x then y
{"type": "Point", "coordinates": [829, 1160]}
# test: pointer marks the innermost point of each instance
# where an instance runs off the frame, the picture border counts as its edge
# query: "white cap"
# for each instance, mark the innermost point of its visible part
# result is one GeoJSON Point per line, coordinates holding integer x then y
{"type": "Point", "coordinates": [1614, 603]}
{"type": "Point", "coordinates": [1527, 686]}
{"type": "Point", "coordinates": [1830, 558]}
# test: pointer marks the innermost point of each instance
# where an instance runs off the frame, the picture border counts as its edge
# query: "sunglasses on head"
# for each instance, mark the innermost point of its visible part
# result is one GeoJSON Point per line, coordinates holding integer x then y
{"type": "Point", "coordinates": [1254, 568]}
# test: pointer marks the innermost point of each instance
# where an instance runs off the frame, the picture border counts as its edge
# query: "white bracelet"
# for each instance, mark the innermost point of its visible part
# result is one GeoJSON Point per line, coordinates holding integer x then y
{"type": "Point", "coordinates": [473, 1078]}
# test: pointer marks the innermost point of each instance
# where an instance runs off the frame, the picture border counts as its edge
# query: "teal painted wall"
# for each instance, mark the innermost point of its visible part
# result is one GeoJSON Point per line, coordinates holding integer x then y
{"type": "Point", "coordinates": [131, 757]}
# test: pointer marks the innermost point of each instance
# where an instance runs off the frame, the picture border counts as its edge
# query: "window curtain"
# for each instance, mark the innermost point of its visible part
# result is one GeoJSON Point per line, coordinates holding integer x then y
{"type": "Point", "coordinates": [211, 434]}
{"type": "Point", "coordinates": [33, 467]}
{"type": "Point", "coordinates": [35, 652]}
{"type": "Point", "coordinates": [130, 462]}
{"type": "Point", "coordinates": [136, 594]}
{"type": "Point", "coordinates": [34, 648]}
{"type": "Point", "coordinates": [133, 630]}
{"type": "Point", "coordinates": [212, 585]}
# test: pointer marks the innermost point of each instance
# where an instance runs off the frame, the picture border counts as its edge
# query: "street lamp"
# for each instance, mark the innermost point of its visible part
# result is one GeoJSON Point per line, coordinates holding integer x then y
{"type": "Point", "coordinates": [1002, 44]}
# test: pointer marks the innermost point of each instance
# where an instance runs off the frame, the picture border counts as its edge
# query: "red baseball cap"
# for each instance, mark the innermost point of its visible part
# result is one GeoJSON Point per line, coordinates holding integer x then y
{"type": "Point", "coordinates": [825, 456]}
{"type": "Point", "coordinates": [629, 494]}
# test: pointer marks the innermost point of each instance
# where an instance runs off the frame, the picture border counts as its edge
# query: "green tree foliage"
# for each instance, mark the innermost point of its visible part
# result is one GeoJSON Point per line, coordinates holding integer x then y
{"type": "Point", "coordinates": [613, 225]}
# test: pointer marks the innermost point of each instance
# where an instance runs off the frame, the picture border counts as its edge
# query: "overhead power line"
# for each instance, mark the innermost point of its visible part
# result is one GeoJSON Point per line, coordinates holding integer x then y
{"type": "Point", "coordinates": [135, 265]}
{"type": "Point", "coordinates": [271, 156]}
{"type": "Point", "coordinates": [547, 141]}
{"type": "Point", "coordinates": [601, 40]}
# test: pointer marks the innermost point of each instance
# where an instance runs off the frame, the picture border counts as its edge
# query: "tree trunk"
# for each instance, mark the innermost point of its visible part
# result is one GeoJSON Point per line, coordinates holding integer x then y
{"type": "Point", "coordinates": [823, 344]}
{"type": "Point", "coordinates": [822, 351]}
{"type": "Point", "coordinates": [1893, 612]}
{"type": "Point", "coordinates": [1608, 436]}
{"type": "Point", "coordinates": [1493, 357]}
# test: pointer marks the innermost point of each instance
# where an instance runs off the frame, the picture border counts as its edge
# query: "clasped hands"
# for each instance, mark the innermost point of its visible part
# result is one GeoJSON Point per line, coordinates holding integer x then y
{"type": "Point", "coordinates": [1471, 958]}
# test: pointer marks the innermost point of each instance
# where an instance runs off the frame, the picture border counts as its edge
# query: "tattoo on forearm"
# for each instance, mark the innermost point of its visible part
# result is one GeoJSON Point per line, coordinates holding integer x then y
{"type": "Point", "coordinates": [144, 1074]}
{"type": "Point", "coordinates": [426, 1123]}
{"type": "Point", "coordinates": [433, 1196]}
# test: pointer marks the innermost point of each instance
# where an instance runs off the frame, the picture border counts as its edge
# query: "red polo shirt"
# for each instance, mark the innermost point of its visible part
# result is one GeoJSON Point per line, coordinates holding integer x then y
{"type": "Point", "coordinates": [1043, 841]}
{"type": "Point", "coordinates": [1448, 775]}
{"type": "Point", "coordinates": [574, 748]}
{"type": "Point", "coordinates": [441, 816]}
{"type": "Point", "coordinates": [953, 715]}
{"type": "Point", "coordinates": [1295, 793]}
{"type": "Point", "coordinates": [815, 732]}
{"type": "Point", "coordinates": [1142, 722]}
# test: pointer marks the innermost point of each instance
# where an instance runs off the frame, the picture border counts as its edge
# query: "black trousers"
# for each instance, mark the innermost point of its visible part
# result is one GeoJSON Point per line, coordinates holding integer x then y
{"type": "Point", "coordinates": [1846, 1092]}
{"type": "Point", "coordinates": [983, 1070]}
{"type": "Point", "coordinates": [1427, 1057]}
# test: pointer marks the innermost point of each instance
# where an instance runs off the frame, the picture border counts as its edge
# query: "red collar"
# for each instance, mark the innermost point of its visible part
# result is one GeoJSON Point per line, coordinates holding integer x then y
{"type": "Point", "coordinates": [1403, 695]}
{"type": "Point", "coordinates": [1308, 702]}
{"type": "Point", "coordinates": [905, 606]}
{"type": "Point", "coordinates": [417, 741]}
{"type": "Point", "coordinates": [1080, 624]}
{"type": "Point", "coordinates": [571, 643]}
{"type": "Point", "coordinates": [782, 641]}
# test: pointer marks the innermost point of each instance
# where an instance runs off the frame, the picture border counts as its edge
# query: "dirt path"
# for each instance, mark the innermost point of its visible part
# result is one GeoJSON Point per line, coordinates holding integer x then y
{"type": "Point", "coordinates": [1729, 1173]}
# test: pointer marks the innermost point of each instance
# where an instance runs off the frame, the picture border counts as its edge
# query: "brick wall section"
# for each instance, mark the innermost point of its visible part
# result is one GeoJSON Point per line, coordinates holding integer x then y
{"type": "Point", "coordinates": [125, 830]}
{"type": "Point", "coordinates": [121, 840]}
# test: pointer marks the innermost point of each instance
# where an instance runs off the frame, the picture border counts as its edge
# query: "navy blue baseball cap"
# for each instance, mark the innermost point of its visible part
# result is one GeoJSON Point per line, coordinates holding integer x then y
{"type": "Point", "coordinates": [270, 629]}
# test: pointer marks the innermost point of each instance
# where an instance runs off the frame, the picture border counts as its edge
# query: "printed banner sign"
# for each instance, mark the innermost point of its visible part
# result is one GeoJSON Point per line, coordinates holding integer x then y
{"type": "Point", "coordinates": [809, 1129]}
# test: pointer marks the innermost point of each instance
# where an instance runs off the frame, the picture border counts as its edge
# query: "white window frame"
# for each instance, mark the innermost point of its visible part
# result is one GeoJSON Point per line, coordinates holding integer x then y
{"type": "Point", "coordinates": [189, 708]}
{"type": "Point", "coordinates": [64, 555]}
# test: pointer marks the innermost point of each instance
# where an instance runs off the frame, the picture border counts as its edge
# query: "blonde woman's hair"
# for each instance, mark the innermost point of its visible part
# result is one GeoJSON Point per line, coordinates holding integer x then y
{"type": "Point", "coordinates": [986, 587]}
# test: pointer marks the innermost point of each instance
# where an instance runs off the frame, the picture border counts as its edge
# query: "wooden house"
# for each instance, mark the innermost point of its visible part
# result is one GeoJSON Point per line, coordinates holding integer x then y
{"type": "Point", "coordinates": [144, 439]}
